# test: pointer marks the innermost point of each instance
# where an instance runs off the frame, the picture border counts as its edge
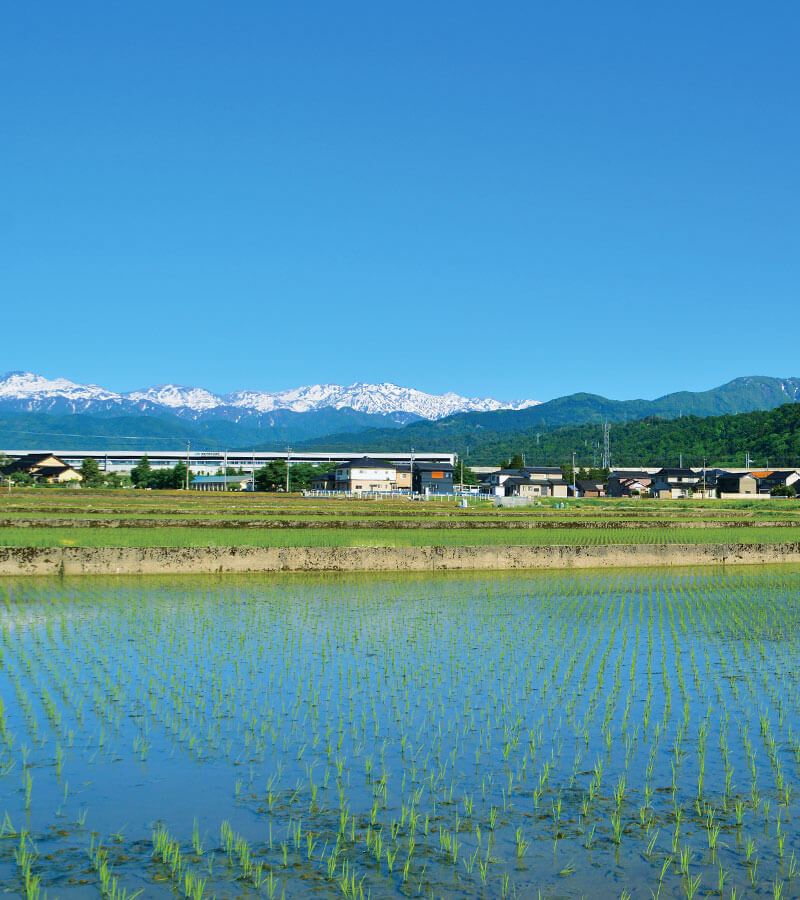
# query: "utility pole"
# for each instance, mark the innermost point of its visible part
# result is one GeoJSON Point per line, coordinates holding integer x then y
{"type": "Point", "coordinates": [574, 482]}
{"type": "Point", "coordinates": [462, 473]}
{"type": "Point", "coordinates": [188, 446]}
{"type": "Point", "coordinates": [704, 478]}
{"type": "Point", "coordinates": [288, 457]}
{"type": "Point", "coordinates": [254, 471]}
{"type": "Point", "coordinates": [411, 467]}
{"type": "Point", "coordinates": [606, 446]}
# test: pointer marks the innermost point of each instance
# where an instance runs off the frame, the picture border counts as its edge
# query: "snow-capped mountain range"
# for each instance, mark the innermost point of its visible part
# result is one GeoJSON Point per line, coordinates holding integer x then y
{"type": "Point", "coordinates": [26, 391]}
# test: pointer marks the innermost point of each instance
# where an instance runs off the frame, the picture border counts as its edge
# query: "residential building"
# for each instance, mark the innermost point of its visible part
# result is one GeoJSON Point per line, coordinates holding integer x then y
{"type": "Point", "coordinates": [674, 483]}
{"type": "Point", "coordinates": [530, 488]}
{"type": "Point", "coordinates": [707, 485]}
{"type": "Point", "coordinates": [493, 482]}
{"type": "Point", "coordinates": [769, 480]}
{"type": "Point", "coordinates": [324, 481]}
{"type": "Point", "coordinates": [403, 476]}
{"type": "Point", "coordinates": [432, 478]}
{"type": "Point", "coordinates": [740, 484]}
{"type": "Point", "coordinates": [43, 467]}
{"type": "Point", "coordinates": [366, 475]}
{"type": "Point", "coordinates": [589, 488]}
{"type": "Point", "coordinates": [628, 483]}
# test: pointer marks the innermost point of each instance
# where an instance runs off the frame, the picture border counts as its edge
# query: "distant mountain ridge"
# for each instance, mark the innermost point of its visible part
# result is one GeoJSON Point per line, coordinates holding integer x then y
{"type": "Point", "coordinates": [39, 413]}
{"type": "Point", "coordinates": [28, 392]}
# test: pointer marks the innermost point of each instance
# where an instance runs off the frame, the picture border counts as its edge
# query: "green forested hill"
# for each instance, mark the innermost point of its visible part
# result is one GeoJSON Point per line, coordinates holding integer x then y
{"type": "Point", "coordinates": [745, 394]}
{"type": "Point", "coordinates": [770, 437]}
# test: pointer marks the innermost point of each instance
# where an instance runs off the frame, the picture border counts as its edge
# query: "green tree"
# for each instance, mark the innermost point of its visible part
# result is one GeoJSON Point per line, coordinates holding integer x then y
{"type": "Point", "coordinates": [142, 474]}
{"type": "Point", "coordinates": [464, 475]}
{"type": "Point", "coordinates": [91, 476]}
{"type": "Point", "coordinates": [516, 462]}
{"type": "Point", "coordinates": [115, 480]}
{"type": "Point", "coordinates": [178, 479]}
{"type": "Point", "coordinates": [272, 476]}
{"type": "Point", "coordinates": [302, 473]}
{"type": "Point", "coordinates": [169, 479]}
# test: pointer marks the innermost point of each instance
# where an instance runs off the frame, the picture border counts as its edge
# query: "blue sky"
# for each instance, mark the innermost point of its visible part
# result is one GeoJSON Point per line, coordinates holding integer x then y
{"type": "Point", "coordinates": [517, 200]}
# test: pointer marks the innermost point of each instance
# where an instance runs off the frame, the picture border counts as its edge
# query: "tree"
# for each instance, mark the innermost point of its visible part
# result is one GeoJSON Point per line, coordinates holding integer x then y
{"type": "Point", "coordinates": [91, 476]}
{"type": "Point", "coordinates": [516, 462]}
{"type": "Point", "coordinates": [302, 473]}
{"type": "Point", "coordinates": [142, 474]}
{"type": "Point", "coordinates": [178, 479]}
{"type": "Point", "coordinates": [169, 479]}
{"type": "Point", "coordinates": [115, 480]}
{"type": "Point", "coordinates": [272, 476]}
{"type": "Point", "coordinates": [464, 475]}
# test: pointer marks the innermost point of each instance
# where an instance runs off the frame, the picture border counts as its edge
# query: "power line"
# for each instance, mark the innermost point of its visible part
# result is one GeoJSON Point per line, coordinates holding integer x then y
{"type": "Point", "coordinates": [108, 437]}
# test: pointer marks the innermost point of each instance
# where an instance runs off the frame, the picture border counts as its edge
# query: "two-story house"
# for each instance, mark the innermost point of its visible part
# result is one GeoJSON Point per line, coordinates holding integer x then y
{"type": "Point", "coordinates": [432, 478]}
{"type": "Point", "coordinates": [675, 484]}
{"type": "Point", "coordinates": [365, 475]}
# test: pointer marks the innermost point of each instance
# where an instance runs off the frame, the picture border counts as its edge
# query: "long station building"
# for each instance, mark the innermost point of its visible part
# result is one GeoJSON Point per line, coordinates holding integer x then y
{"type": "Point", "coordinates": [210, 462]}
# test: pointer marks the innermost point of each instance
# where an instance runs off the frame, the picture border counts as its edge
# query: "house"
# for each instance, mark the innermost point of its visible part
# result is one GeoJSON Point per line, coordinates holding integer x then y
{"type": "Point", "coordinates": [708, 483]}
{"type": "Point", "coordinates": [403, 476]}
{"type": "Point", "coordinates": [43, 467]}
{"type": "Point", "coordinates": [222, 483]}
{"type": "Point", "coordinates": [518, 486]}
{"type": "Point", "coordinates": [769, 481]}
{"type": "Point", "coordinates": [739, 484]}
{"type": "Point", "coordinates": [365, 475]}
{"type": "Point", "coordinates": [493, 482]}
{"type": "Point", "coordinates": [589, 488]}
{"type": "Point", "coordinates": [674, 484]}
{"type": "Point", "coordinates": [432, 478]}
{"type": "Point", "coordinates": [628, 483]}
{"type": "Point", "coordinates": [324, 481]}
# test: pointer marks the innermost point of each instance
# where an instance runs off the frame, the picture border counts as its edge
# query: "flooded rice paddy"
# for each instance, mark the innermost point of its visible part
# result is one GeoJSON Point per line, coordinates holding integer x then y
{"type": "Point", "coordinates": [564, 735]}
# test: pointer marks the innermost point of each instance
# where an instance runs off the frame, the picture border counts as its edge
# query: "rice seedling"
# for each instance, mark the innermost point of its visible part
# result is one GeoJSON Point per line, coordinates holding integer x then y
{"type": "Point", "coordinates": [396, 734]}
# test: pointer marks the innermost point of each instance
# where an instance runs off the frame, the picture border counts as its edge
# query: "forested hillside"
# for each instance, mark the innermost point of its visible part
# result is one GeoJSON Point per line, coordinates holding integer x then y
{"type": "Point", "coordinates": [771, 437]}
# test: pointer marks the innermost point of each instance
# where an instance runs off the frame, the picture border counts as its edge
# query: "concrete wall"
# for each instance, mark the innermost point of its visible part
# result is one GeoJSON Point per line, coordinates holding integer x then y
{"type": "Point", "coordinates": [17, 561]}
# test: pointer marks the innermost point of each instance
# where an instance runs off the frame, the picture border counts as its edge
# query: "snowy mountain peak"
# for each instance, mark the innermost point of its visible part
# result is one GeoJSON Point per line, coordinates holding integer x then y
{"type": "Point", "coordinates": [25, 390]}
{"type": "Point", "coordinates": [378, 399]}
{"type": "Point", "coordinates": [176, 396]}
{"type": "Point", "coordinates": [27, 384]}
{"type": "Point", "coordinates": [36, 391]}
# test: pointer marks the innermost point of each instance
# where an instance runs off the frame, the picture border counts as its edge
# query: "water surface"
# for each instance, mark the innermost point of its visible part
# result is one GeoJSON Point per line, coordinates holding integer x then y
{"type": "Point", "coordinates": [438, 736]}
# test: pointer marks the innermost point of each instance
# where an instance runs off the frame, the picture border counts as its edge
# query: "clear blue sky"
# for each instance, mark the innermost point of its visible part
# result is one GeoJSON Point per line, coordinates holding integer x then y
{"type": "Point", "coordinates": [515, 199]}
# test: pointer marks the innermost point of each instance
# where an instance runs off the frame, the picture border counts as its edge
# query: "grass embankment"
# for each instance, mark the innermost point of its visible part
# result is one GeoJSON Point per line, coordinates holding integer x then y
{"type": "Point", "coordinates": [59, 518]}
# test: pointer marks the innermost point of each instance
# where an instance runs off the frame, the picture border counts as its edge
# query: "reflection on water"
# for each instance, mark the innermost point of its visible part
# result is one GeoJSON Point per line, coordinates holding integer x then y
{"type": "Point", "coordinates": [456, 735]}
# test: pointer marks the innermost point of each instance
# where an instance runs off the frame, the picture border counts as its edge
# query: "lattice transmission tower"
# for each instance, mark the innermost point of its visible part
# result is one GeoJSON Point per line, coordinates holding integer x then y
{"type": "Point", "coordinates": [606, 446]}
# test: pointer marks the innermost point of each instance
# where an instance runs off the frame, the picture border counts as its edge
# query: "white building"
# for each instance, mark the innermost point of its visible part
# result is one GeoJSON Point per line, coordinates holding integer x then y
{"type": "Point", "coordinates": [366, 475]}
